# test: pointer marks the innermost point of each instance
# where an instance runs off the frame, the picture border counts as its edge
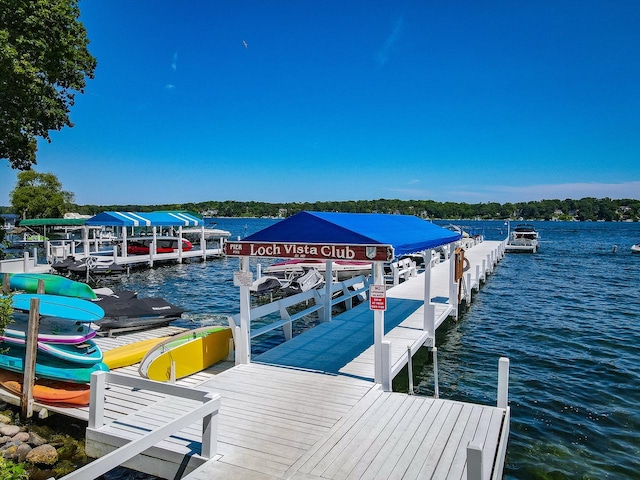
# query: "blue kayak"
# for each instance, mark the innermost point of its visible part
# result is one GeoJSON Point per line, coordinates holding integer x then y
{"type": "Point", "coordinates": [84, 353]}
{"type": "Point", "coordinates": [75, 309]}
{"type": "Point", "coordinates": [12, 358]}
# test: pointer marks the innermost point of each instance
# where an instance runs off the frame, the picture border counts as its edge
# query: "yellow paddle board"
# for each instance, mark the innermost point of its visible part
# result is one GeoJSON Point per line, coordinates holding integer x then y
{"type": "Point", "coordinates": [130, 354]}
{"type": "Point", "coordinates": [191, 352]}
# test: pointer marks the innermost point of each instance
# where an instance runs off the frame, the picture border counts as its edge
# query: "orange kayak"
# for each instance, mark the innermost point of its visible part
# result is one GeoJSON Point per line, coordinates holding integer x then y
{"type": "Point", "coordinates": [48, 391]}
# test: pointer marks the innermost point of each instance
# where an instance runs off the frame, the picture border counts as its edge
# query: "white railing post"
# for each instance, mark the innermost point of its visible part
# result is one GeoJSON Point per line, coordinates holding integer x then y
{"type": "Point", "coordinates": [436, 387]}
{"type": "Point", "coordinates": [503, 382]}
{"type": "Point", "coordinates": [386, 366]}
{"type": "Point", "coordinates": [474, 461]}
{"type": "Point", "coordinates": [210, 428]}
{"type": "Point", "coordinates": [96, 399]}
{"type": "Point", "coordinates": [410, 368]}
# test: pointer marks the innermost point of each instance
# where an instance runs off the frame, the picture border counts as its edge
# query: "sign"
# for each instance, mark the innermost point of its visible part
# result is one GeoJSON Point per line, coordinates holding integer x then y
{"type": "Point", "coordinates": [242, 279]}
{"type": "Point", "coordinates": [377, 297]}
{"type": "Point", "coordinates": [320, 251]}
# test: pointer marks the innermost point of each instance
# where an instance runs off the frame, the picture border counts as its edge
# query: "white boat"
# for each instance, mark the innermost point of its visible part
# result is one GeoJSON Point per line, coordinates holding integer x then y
{"type": "Point", "coordinates": [195, 233]}
{"type": "Point", "coordinates": [342, 269]}
{"type": "Point", "coordinates": [635, 248]}
{"type": "Point", "coordinates": [523, 238]}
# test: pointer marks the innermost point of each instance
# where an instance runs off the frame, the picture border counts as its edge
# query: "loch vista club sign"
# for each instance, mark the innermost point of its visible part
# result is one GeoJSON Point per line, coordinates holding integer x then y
{"type": "Point", "coordinates": [365, 253]}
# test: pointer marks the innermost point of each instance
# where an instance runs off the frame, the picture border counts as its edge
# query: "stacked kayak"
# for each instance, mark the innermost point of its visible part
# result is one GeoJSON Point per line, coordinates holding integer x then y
{"type": "Point", "coordinates": [66, 351]}
{"type": "Point", "coordinates": [187, 353]}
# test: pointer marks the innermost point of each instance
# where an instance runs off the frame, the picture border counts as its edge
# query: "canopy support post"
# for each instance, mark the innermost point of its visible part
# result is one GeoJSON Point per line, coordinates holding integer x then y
{"type": "Point", "coordinates": [328, 282]}
{"type": "Point", "coordinates": [429, 308]}
{"type": "Point", "coordinates": [378, 325]}
{"type": "Point", "coordinates": [243, 347]}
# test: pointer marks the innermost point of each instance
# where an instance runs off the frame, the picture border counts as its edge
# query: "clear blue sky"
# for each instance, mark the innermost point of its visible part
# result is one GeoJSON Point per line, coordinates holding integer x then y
{"type": "Point", "coordinates": [347, 100]}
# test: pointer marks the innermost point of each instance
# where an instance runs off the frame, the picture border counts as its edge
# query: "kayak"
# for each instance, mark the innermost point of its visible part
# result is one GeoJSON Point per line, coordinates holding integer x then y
{"type": "Point", "coordinates": [70, 308]}
{"type": "Point", "coordinates": [189, 352]}
{"type": "Point", "coordinates": [130, 354]}
{"type": "Point", "coordinates": [12, 358]}
{"type": "Point", "coordinates": [51, 329]}
{"type": "Point", "coordinates": [53, 284]}
{"type": "Point", "coordinates": [86, 352]}
{"type": "Point", "coordinates": [48, 391]}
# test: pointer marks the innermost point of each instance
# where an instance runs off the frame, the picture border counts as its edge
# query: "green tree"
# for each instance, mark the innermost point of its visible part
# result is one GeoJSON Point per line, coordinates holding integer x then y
{"type": "Point", "coordinates": [39, 195]}
{"type": "Point", "coordinates": [44, 60]}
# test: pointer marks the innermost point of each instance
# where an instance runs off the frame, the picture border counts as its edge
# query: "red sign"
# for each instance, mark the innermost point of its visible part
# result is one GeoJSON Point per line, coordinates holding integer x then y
{"type": "Point", "coordinates": [377, 297]}
{"type": "Point", "coordinates": [364, 253]}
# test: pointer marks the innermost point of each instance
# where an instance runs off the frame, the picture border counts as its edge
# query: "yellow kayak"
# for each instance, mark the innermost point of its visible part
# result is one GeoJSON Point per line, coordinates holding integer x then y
{"type": "Point", "coordinates": [190, 352]}
{"type": "Point", "coordinates": [130, 354]}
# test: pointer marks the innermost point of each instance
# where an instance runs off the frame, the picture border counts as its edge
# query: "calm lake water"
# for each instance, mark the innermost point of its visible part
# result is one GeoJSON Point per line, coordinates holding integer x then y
{"type": "Point", "coordinates": [568, 318]}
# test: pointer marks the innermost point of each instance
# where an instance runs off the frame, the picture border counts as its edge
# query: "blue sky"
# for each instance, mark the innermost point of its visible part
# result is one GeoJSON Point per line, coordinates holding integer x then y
{"type": "Point", "coordinates": [469, 101]}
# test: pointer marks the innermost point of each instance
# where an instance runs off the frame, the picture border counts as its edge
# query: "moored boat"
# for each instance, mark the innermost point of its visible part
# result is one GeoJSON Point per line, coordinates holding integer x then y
{"type": "Point", "coordinates": [524, 238]}
{"type": "Point", "coordinates": [635, 248]}
{"type": "Point", "coordinates": [143, 245]}
{"type": "Point", "coordinates": [342, 269]}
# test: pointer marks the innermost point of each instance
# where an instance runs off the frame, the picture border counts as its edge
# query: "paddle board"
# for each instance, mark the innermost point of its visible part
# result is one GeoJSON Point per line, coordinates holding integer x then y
{"type": "Point", "coordinates": [48, 391]}
{"type": "Point", "coordinates": [57, 306]}
{"type": "Point", "coordinates": [129, 354]}
{"type": "Point", "coordinates": [85, 353]}
{"type": "Point", "coordinates": [53, 284]}
{"type": "Point", "coordinates": [191, 352]}
{"type": "Point", "coordinates": [12, 359]}
{"type": "Point", "coordinates": [51, 329]}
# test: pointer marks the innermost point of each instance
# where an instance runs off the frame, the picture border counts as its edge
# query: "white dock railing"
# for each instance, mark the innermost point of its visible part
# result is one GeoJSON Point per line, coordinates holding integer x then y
{"type": "Point", "coordinates": [342, 292]}
{"type": "Point", "coordinates": [207, 412]}
{"type": "Point", "coordinates": [479, 467]}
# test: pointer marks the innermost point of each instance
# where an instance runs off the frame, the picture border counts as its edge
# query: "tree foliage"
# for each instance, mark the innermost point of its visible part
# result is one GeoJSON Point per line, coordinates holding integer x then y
{"type": "Point", "coordinates": [44, 61]}
{"type": "Point", "coordinates": [39, 195]}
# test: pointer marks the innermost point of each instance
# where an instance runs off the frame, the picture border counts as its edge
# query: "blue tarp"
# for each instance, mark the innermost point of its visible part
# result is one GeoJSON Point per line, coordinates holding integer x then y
{"type": "Point", "coordinates": [137, 219]}
{"type": "Point", "coordinates": [405, 233]}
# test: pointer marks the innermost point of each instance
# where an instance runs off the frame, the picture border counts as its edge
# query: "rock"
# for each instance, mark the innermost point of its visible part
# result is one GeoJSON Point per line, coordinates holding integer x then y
{"type": "Point", "coordinates": [4, 419]}
{"type": "Point", "coordinates": [43, 455]}
{"type": "Point", "coordinates": [11, 453]}
{"type": "Point", "coordinates": [21, 437]}
{"type": "Point", "coordinates": [9, 430]}
{"type": "Point", "coordinates": [36, 440]}
{"type": "Point", "coordinates": [22, 451]}
{"type": "Point", "coordinates": [4, 439]}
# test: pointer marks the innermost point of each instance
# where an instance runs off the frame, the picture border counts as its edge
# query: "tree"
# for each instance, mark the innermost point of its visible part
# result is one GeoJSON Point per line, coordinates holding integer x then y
{"type": "Point", "coordinates": [39, 195]}
{"type": "Point", "coordinates": [44, 60]}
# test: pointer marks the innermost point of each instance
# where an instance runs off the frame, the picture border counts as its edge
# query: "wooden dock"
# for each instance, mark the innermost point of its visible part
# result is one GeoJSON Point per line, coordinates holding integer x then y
{"type": "Point", "coordinates": [310, 409]}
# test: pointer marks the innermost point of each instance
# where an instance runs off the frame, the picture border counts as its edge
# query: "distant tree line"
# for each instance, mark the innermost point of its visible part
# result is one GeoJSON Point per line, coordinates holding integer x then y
{"type": "Point", "coordinates": [588, 208]}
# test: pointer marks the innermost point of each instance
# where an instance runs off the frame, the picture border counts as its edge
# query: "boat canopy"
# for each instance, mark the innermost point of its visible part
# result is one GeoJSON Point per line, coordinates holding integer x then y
{"type": "Point", "coordinates": [400, 234]}
{"type": "Point", "coordinates": [147, 219]}
{"type": "Point", "coordinates": [55, 222]}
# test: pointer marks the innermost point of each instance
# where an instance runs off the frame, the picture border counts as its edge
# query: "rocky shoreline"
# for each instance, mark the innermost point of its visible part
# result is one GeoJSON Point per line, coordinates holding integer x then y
{"type": "Point", "coordinates": [44, 448]}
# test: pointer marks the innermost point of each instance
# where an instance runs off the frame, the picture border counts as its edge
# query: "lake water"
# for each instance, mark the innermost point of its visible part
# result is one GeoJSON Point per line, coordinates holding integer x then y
{"type": "Point", "coordinates": [568, 318]}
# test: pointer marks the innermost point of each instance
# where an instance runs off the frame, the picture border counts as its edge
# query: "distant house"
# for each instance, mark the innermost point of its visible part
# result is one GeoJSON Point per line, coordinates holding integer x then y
{"type": "Point", "coordinates": [9, 220]}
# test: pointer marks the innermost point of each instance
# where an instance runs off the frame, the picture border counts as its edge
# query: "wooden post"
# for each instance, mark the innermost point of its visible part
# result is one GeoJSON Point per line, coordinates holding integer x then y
{"type": "Point", "coordinates": [6, 284]}
{"type": "Point", "coordinates": [245, 319]}
{"type": "Point", "coordinates": [31, 347]}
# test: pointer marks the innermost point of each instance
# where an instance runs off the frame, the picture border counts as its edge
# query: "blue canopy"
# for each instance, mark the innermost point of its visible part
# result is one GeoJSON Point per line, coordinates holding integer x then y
{"type": "Point", "coordinates": [405, 233]}
{"type": "Point", "coordinates": [136, 219]}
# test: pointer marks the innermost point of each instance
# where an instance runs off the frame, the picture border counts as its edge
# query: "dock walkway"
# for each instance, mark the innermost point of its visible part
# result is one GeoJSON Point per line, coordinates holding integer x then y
{"type": "Point", "coordinates": [310, 409]}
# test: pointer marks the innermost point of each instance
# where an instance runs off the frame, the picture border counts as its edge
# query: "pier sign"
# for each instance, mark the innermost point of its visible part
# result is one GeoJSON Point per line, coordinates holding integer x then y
{"type": "Point", "coordinates": [364, 253]}
{"type": "Point", "coordinates": [377, 297]}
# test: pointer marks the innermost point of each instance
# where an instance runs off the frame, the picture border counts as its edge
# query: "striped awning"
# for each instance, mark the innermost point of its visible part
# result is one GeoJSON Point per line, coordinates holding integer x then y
{"type": "Point", "coordinates": [147, 219]}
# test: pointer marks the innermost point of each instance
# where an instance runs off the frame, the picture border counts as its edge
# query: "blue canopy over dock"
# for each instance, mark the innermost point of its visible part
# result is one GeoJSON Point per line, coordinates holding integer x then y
{"type": "Point", "coordinates": [400, 234]}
